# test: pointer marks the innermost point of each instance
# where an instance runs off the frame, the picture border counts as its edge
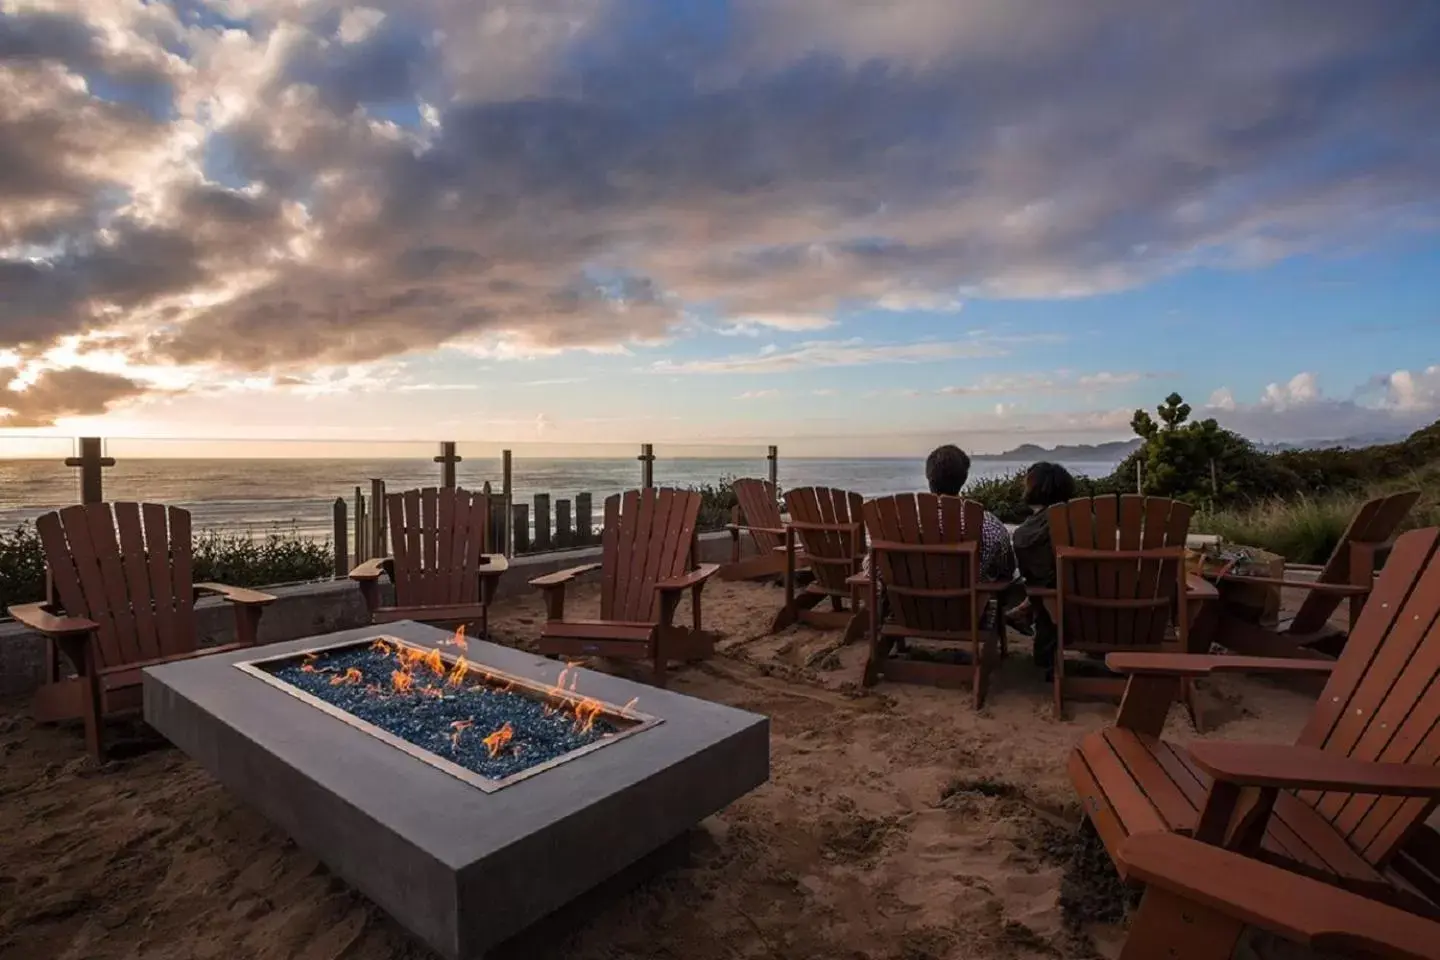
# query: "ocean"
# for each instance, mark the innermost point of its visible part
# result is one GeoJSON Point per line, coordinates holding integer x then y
{"type": "Point", "coordinates": [297, 496]}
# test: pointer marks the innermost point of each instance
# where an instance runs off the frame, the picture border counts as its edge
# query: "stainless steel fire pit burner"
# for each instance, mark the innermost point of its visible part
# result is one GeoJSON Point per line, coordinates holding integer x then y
{"type": "Point", "coordinates": [627, 721]}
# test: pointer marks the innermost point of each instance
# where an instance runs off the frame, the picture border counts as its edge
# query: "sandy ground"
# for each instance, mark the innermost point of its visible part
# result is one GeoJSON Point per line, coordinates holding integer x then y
{"type": "Point", "coordinates": [898, 823]}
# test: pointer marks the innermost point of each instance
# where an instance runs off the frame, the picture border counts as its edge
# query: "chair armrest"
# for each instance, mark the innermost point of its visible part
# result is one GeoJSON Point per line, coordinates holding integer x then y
{"type": "Point", "coordinates": [756, 528]}
{"type": "Point", "coordinates": [42, 619]}
{"type": "Point", "coordinates": [693, 578]}
{"type": "Point", "coordinates": [372, 569]}
{"type": "Point", "coordinates": [861, 579]}
{"type": "Point", "coordinates": [493, 564]}
{"type": "Point", "coordinates": [1338, 589]}
{"type": "Point", "coordinates": [1279, 901]}
{"type": "Point", "coordinates": [1306, 768]}
{"type": "Point", "coordinates": [562, 577]}
{"type": "Point", "coordinates": [249, 598]}
{"type": "Point", "coordinates": [1200, 665]}
{"type": "Point", "coordinates": [1198, 588]}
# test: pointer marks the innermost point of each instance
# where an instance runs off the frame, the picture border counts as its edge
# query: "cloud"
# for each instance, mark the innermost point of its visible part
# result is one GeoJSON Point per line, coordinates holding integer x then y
{"type": "Point", "coordinates": [836, 353]}
{"type": "Point", "coordinates": [299, 184]}
{"type": "Point", "coordinates": [1058, 381]}
{"type": "Point", "coordinates": [757, 394]}
{"type": "Point", "coordinates": [68, 392]}
{"type": "Point", "coordinates": [753, 324]}
{"type": "Point", "coordinates": [1299, 409]}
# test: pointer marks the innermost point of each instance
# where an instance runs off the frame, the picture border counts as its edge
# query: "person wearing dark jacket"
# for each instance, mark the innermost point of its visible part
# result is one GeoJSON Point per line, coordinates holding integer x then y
{"type": "Point", "coordinates": [1046, 484]}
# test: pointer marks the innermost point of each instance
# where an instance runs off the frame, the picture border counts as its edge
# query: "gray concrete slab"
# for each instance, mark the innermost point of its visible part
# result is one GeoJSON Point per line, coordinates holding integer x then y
{"type": "Point", "coordinates": [462, 869]}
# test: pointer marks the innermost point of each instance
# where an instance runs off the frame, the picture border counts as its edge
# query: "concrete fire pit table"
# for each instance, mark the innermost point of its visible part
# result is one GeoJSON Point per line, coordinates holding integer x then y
{"type": "Point", "coordinates": [462, 861]}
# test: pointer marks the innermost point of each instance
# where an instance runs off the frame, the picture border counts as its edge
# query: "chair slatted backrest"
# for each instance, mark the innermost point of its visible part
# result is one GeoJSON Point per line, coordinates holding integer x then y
{"type": "Point", "coordinates": [437, 537]}
{"type": "Point", "coordinates": [1382, 702]}
{"type": "Point", "coordinates": [935, 591]}
{"type": "Point", "coordinates": [1122, 603]}
{"type": "Point", "coordinates": [649, 535]}
{"type": "Point", "coordinates": [760, 507]}
{"type": "Point", "coordinates": [834, 554]}
{"type": "Point", "coordinates": [126, 566]}
{"type": "Point", "coordinates": [1372, 526]}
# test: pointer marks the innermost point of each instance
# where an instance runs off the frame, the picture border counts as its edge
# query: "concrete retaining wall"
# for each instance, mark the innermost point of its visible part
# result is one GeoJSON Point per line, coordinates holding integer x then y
{"type": "Point", "coordinates": [306, 610]}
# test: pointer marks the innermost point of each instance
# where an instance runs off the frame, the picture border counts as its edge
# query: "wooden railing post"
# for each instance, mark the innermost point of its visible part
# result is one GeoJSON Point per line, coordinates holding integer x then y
{"type": "Point", "coordinates": [361, 554]}
{"type": "Point", "coordinates": [520, 518]}
{"type": "Point", "coordinates": [447, 460]}
{"type": "Point", "coordinates": [90, 461]}
{"type": "Point", "coordinates": [507, 489]}
{"type": "Point", "coordinates": [377, 517]}
{"type": "Point", "coordinates": [341, 537]}
{"type": "Point", "coordinates": [583, 529]}
{"type": "Point", "coordinates": [647, 465]}
{"type": "Point", "coordinates": [564, 538]}
{"type": "Point", "coordinates": [542, 522]}
{"type": "Point", "coordinates": [773, 456]}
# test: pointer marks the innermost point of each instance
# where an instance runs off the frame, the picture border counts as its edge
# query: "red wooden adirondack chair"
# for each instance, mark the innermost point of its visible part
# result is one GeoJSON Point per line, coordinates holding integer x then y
{"type": "Point", "coordinates": [1122, 585]}
{"type": "Point", "coordinates": [758, 514]}
{"type": "Point", "coordinates": [927, 550]}
{"type": "Point", "coordinates": [826, 528]}
{"type": "Point", "coordinates": [126, 601]}
{"type": "Point", "coordinates": [439, 566]}
{"type": "Point", "coordinates": [645, 566]}
{"type": "Point", "coordinates": [1349, 574]}
{"type": "Point", "coordinates": [1341, 803]}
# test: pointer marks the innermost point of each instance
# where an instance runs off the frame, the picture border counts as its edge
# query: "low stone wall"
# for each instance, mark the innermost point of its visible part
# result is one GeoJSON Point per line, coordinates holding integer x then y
{"type": "Point", "coordinates": [309, 609]}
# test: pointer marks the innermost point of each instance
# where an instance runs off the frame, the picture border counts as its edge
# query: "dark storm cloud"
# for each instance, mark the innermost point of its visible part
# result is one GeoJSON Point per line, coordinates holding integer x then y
{"type": "Point", "coordinates": [573, 174]}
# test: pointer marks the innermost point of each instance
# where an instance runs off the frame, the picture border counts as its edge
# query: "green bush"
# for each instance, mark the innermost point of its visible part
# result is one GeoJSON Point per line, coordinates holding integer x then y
{"type": "Point", "coordinates": [241, 560]}
{"type": "Point", "coordinates": [716, 501]}
{"type": "Point", "coordinates": [1304, 529]}
{"type": "Point", "coordinates": [22, 567]}
{"type": "Point", "coordinates": [235, 559]}
{"type": "Point", "coordinates": [1004, 496]}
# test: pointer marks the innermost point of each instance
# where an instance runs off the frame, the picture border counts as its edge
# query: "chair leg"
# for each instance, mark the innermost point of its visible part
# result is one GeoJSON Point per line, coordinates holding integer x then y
{"type": "Point", "coordinates": [1169, 926]}
{"type": "Point", "coordinates": [1058, 677]}
{"type": "Point", "coordinates": [977, 676]}
{"type": "Point", "coordinates": [81, 653]}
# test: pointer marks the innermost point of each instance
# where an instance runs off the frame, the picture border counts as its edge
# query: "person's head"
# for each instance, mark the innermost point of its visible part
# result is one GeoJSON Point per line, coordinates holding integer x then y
{"type": "Point", "coordinates": [946, 470]}
{"type": "Point", "coordinates": [1047, 484]}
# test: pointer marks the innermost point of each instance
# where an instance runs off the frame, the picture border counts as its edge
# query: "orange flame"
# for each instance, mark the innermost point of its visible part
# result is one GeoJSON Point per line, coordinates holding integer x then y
{"type": "Point", "coordinates": [350, 676]}
{"type": "Point", "coordinates": [434, 662]}
{"type": "Point", "coordinates": [458, 640]}
{"type": "Point", "coordinates": [402, 681]}
{"type": "Point", "coordinates": [586, 712]}
{"type": "Point", "coordinates": [457, 674]}
{"type": "Point", "coordinates": [627, 708]}
{"type": "Point", "coordinates": [497, 740]}
{"type": "Point", "coordinates": [307, 668]}
{"type": "Point", "coordinates": [382, 648]}
{"type": "Point", "coordinates": [459, 726]}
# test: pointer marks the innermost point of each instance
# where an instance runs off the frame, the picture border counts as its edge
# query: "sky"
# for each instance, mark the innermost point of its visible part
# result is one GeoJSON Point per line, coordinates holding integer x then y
{"type": "Point", "coordinates": [846, 227]}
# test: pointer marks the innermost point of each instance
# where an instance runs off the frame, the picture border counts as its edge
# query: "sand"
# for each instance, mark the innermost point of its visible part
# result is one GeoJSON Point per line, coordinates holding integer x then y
{"type": "Point", "coordinates": [898, 823]}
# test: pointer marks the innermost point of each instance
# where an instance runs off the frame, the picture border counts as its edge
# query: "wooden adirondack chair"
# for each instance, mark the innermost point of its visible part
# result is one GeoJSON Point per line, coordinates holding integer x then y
{"type": "Point", "coordinates": [124, 600]}
{"type": "Point", "coordinates": [927, 551]}
{"type": "Point", "coordinates": [758, 513]}
{"type": "Point", "coordinates": [439, 566]}
{"type": "Point", "coordinates": [1349, 574]}
{"type": "Point", "coordinates": [1200, 898]}
{"type": "Point", "coordinates": [828, 529]}
{"type": "Point", "coordinates": [1121, 585]}
{"type": "Point", "coordinates": [645, 566]}
{"type": "Point", "coordinates": [1341, 803]}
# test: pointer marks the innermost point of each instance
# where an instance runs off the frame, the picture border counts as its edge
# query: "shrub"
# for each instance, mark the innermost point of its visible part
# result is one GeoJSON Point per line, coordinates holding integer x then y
{"type": "Point", "coordinates": [245, 561]}
{"type": "Point", "coordinates": [1004, 496]}
{"type": "Point", "coordinates": [22, 567]}
{"type": "Point", "coordinates": [716, 501]}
